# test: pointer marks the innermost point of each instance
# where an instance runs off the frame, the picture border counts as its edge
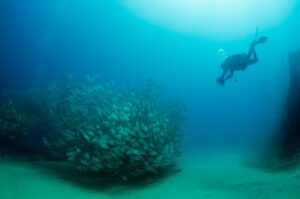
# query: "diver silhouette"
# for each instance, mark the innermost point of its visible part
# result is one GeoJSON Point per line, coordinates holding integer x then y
{"type": "Point", "coordinates": [239, 62]}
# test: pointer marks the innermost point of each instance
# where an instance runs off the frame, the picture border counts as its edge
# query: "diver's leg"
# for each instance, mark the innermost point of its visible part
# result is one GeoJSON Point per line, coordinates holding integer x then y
{"type": "Point", "coordinates": [252, 53]}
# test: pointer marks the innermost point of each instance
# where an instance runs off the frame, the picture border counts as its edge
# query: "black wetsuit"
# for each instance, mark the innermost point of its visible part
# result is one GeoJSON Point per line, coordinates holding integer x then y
{"type": "Point", "coordinates": [237, 62]}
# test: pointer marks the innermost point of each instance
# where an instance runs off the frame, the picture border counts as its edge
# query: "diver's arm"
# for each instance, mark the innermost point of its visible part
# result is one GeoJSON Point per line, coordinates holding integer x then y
{"type": "Point", "coordinates": [231, 72]}
{"type": "Point", "coordinates": [224, 73]}
{"type": "Point", "coordinates": [221, 79]}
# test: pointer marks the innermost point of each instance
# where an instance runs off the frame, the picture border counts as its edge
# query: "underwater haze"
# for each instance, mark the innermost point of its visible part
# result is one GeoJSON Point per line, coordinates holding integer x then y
{"type": "Point", "coordinates": [177, 45]}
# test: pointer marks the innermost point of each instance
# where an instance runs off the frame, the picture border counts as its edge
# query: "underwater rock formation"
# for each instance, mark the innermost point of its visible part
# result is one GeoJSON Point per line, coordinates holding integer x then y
{"type": "Point", "coordinates": [14, 121]}
{"type": "Point", "coordinates": [21, 124]}
{"type": "Point", "coordinates": [289, 139]}
{"type": "Point", "coordinates": [128, 132]}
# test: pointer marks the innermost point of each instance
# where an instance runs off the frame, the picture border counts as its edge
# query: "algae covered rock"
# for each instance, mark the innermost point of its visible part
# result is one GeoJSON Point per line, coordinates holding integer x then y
{"type": "Point", "coordinates": [17, 117]}
{"type": "Point", "coordinates": [22, 125]}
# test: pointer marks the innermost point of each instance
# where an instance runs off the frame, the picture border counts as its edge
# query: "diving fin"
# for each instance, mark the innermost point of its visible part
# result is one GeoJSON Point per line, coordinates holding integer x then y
{"type": "Point", "coordinates": [261, 40]}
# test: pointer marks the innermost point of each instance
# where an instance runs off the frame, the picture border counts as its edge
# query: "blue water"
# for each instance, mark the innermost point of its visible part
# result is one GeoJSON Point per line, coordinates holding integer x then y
{"type": "Point", "coordinates": [41, 41]}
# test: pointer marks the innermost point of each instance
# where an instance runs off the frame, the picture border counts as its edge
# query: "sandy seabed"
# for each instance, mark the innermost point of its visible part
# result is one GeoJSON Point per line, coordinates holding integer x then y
{"type": "Point", "coordinates": [209, 176]}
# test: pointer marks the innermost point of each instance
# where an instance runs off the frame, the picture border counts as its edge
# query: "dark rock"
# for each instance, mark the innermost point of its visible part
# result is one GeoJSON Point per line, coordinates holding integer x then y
{"type": "Point", "coordinates": [289, 137]}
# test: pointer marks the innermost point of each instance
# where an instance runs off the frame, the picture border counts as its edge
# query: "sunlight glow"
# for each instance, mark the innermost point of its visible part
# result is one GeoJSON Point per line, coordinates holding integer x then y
{"type": "Point", "coordinates": [216, 19]}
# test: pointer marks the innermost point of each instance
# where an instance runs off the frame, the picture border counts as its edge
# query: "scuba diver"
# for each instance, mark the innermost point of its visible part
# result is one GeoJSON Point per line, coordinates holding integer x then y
{"type": "Point", "coordinates": [240, 61]}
